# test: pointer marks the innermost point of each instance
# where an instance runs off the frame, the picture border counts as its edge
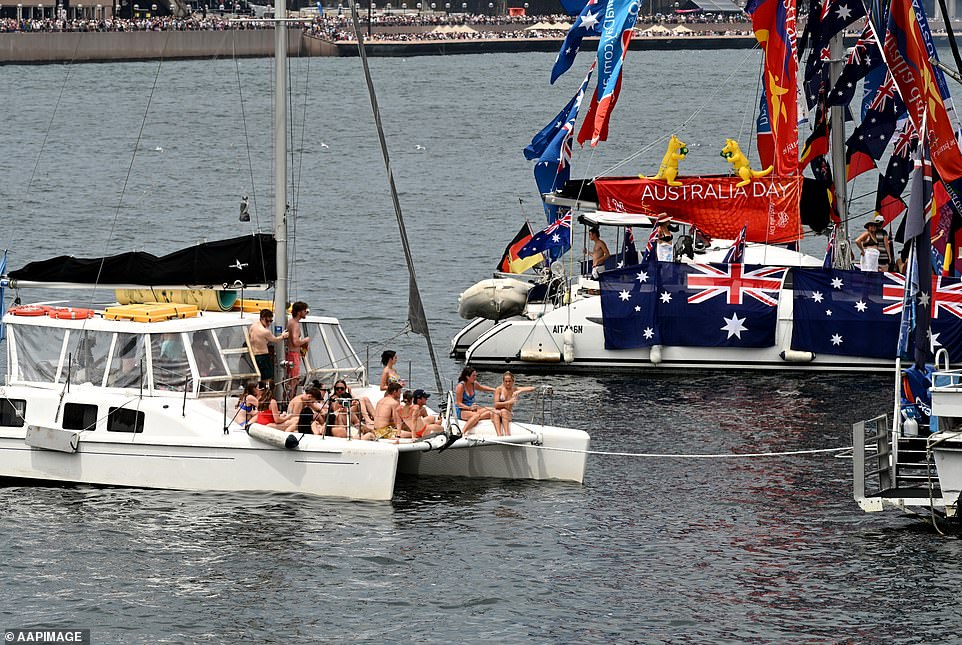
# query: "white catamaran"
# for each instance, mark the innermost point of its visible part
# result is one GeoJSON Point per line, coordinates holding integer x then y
{"type": "Point", "coordinates": [142, 394]}
{"type": "Point", "coordinates": [580, 322]}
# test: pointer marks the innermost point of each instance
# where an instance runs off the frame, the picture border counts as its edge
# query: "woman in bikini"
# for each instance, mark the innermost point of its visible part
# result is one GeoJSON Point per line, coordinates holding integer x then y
{"type": "Point", "coordinates": [505, 396]}
{"type": "Point", "coordinates": [466, 408]}
{"type": "Point", "coordinates": [389, 374]}
{"type": "Point", "coordinates": [246, 407]}
{"type": "Point", "coordinates": [268, 414]}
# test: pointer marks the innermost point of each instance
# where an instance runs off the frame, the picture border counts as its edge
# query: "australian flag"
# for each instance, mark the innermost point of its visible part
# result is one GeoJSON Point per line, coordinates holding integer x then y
{"type": "Point", "coordinates": [552, 148]}
{"type": "Point", "coordinates": [556, 235]}
{"type": "Point", "coordinates": [864, 57]}
{"type": "Point", "coordinates": [629, 255]}
{"type": "Point", "coordinates": [695, 305]}
{"type": "Point", "coordinates": [629, 306]}
{"type": "Point", "coordinates": [736, 253]}
{"type": "Point", "coordinates": [845, 313]}
{"type": "Point", "coordinates": [589, 23]}
{"type": "Point", "coordinates": [718, 305]}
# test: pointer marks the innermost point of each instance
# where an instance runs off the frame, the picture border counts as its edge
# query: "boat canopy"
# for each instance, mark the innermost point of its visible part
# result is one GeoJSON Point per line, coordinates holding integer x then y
{"type": "Point", "coordinates": [159, 358]}
{"type": "Point", "coordinates": [231, 263]}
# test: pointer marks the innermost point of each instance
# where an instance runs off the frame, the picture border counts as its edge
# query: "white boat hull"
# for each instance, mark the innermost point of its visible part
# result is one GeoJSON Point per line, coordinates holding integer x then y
{"type": "Point", "coordinates": [947, 451]}
{"type": "Point", "coordinates": [235, 462]}
{"type": "Point", "coordinates": [538, 345]}
{"type": "Point", "coordinates": [556, 453]}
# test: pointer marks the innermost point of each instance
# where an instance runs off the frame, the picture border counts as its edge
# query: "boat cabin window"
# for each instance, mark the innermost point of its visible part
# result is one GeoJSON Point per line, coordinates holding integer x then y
{"type": "Point", "coordinates": [170, 366]}
{"type": "Point", "coordinates": [330, 356]}
{"type": "Point", "coordinates": [86, 359]}
{"type": "Point", "coordinates": [127, 361]}
{"type": "Point", "coordinates": [125, 420]}
{"type": "Point", "coordinates": [38, 351]}
{"type": "Point", "coordinates": [12, 413]}
{"type": "Point", "coordinates": [211, 369]}
{"type": "Point", "coordinates": [237, 356]}
{"type": "Point", "coordinates": [79, 416]}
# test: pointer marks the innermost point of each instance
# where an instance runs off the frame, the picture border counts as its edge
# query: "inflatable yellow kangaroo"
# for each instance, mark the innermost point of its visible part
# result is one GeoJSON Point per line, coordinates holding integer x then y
{"type": "Point", "coordinates": [677, 150]}
{"type": "Point", "coordinates": [739, 162]}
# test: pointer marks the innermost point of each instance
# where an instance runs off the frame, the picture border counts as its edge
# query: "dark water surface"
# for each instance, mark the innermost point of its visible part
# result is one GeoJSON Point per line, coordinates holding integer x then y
{"type": "Point", "coordinates": [649, 549]}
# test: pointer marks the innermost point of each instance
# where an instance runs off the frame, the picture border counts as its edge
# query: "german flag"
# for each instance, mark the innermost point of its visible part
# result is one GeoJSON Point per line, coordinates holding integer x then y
{"type": "Point", "coordinates": [510, 262]}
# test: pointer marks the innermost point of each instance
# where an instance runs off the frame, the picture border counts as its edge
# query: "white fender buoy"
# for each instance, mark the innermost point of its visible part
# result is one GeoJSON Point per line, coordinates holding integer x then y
{"type": "Point", "coordinates": [796, 356]}
{"type": "Point", "coordinates": [655, 354]}
{"type": "Point", "coordinates": [569, 346]}
{"type": "Point", "coordinates": [273, 436]}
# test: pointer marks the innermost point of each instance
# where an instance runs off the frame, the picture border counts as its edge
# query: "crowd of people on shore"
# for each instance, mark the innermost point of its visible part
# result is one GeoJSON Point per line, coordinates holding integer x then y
{"type": "Point", "coordinates": [339, 26]}
{"type": "Point", "coordinates": [195, 22]}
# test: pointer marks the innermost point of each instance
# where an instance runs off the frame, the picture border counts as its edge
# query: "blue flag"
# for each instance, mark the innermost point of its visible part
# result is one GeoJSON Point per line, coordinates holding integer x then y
{"type": "Point", "coordinates": [616, 33]}
{"type": "Point", "coordinates": [556, 235]}
{"type": "Point", "coordinates": [629, 306]}
{"type": "Point", "coordinates": [589, 23]}
{"type": "Point", "coordinates": [548, 133]}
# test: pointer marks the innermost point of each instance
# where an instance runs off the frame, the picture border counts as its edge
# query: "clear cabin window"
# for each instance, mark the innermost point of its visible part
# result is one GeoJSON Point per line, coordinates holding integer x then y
{"type": "Point", "coordinates": [38, 352]}
{"type": "Point", "coordinates": [210, 364]}
{"type": "Point", "coordinates": [170, 366]}
{"type": "Point", "coordinates": [86, 359]}
{"type": "Point", "coordinates": [127, 361]}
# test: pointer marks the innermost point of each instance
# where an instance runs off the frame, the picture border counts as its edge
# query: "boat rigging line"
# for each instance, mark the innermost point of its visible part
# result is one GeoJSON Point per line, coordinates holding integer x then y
{"type": "Point", "coordinates": [656, 455]}
{"type": "Point", "coordinates": [416, 317]}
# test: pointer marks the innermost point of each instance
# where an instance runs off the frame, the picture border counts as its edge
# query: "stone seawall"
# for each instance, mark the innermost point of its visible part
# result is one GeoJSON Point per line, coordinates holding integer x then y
{"type": "Point", "coordinates": [86, 47]}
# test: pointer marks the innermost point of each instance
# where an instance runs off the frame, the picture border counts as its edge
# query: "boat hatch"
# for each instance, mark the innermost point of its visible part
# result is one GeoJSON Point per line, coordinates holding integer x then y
{"type": "Point", "coordinates": [205, 362]}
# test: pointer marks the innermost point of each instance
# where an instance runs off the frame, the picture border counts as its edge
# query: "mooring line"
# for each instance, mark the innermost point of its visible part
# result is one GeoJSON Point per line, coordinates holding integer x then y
{"type": "Point", "coordinates": [785, 453]}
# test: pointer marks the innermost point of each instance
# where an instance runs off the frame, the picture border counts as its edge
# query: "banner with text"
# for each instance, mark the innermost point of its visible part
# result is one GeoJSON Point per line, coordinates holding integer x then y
{"type": "Point", "coordinates": [769, 206]}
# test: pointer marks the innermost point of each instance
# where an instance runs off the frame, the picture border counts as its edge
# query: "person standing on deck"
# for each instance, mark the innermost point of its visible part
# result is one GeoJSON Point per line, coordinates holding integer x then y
{"type": "Point", "coordinates": [296, 347]}
{"type": "Point", "coordinates": [260, 333]}
{"type": "Point", "coordinates": [599, 252]}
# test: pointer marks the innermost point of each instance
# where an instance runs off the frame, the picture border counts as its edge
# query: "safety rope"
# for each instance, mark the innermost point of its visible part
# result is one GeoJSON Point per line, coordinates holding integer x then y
{"type": "Point", "coordinates": [658, 455]}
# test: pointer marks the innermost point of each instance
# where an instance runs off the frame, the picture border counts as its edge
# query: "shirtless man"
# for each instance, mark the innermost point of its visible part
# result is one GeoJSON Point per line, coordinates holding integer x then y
{"type": "Point", "coordinates": [260, 333]}
{"type": "Point", "coordinates": [387, 417]}
{"type": "Point", "coordinates": [296, 346]}
{"type": "Point", "coordinates": [599, 252]}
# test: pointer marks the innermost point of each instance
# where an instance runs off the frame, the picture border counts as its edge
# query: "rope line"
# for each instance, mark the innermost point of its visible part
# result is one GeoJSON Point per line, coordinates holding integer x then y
{"type": "Point", "coordinates": [784, 453]}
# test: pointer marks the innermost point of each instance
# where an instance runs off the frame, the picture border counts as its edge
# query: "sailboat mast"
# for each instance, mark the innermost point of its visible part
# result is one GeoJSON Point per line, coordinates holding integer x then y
{"type": "Point", "coordinates": [280, 180]}
{"type": "Point", "coordinates": [837, 127]}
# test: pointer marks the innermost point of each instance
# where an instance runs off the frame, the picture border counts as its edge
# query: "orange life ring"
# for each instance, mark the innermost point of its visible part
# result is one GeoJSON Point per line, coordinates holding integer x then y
{"type": "Point", "coordinates": [28, 310]}
{"type": "Point", "coordinates": [71, 313]}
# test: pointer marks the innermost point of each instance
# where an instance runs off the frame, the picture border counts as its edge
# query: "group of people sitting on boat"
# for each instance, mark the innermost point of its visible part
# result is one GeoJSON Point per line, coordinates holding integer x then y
{"type": "Point", "coordinates": [399, 414]}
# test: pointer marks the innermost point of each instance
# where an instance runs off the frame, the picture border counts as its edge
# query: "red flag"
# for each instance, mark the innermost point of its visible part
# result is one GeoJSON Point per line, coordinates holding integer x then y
{"type": "Point", "coordinates": [588, 125]}
{"type": "Point", "coordinates": [908, 59]}
{"type": "Point", "coordinates": [774, 24]}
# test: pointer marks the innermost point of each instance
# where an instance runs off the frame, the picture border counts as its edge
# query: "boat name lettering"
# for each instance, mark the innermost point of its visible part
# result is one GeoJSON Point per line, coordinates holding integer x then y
{"type": "Point", "coordinates": [560, 329]}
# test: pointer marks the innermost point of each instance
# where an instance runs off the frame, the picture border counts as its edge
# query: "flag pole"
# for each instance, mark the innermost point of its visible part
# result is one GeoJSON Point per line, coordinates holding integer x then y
{"type": "Point", "coordinates": [841, 258]}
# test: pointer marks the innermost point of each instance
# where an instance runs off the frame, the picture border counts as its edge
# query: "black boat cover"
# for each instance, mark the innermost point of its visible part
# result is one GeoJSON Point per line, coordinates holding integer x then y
{"type": "Point", "coordinates": [239, 261]}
